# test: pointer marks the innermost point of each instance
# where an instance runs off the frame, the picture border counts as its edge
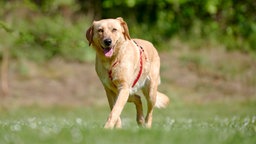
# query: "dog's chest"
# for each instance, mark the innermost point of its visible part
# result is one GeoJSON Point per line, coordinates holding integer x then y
{"type": "Point", "coordinates": [113, 75]}
{"type": "Point", "coordinates": [108, 82]}
{"type": "Point", "coordinates": [103, 73]}
{"type": "Point", "coordinates": [141, 83]}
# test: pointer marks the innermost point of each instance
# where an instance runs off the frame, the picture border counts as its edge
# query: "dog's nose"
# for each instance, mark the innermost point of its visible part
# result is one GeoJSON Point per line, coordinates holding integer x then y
{"type": "Point", "coordinates": [107, 42]}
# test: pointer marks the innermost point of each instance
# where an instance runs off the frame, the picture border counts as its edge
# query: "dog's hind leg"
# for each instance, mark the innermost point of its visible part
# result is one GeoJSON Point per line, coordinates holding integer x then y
{"type": "Point", "coordinates": [150, 94]}
{"type": "Point", "coordinates": [138, 104]}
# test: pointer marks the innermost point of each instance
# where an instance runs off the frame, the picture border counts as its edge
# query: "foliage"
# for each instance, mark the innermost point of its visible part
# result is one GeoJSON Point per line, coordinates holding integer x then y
{"type": "Point", "coordinates": [45, 29]}
{"type": "Point", "coordinates": [50, 37]}
{"type": "Point", "coordinates": [230, 22]}
{"type": "Point", "coordinates": [40, 35]}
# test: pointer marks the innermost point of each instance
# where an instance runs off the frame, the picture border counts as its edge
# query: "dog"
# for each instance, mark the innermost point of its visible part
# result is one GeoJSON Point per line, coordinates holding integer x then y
{"type": "Point", "coordinates": [126, 66]}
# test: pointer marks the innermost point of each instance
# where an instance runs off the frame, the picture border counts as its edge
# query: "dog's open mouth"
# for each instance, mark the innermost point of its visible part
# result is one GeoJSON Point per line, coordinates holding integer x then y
{"type": "Point", "coordinates": [108, 51]}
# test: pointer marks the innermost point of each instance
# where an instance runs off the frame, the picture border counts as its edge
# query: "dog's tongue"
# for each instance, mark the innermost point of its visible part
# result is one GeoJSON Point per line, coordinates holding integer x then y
{"type": "Point", "coordinates": [108, 52]}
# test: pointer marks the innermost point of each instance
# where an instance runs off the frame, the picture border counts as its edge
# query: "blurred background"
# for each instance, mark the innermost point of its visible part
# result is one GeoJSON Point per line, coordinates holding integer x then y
{"type": "Point", "coordinates": [207, 49]}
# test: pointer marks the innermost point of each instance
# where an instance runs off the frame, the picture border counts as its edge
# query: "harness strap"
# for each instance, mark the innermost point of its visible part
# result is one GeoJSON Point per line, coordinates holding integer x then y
{"type": "Point", "coordinates": [110, 71]}
{"type": "Point", "coordinates": [140, 71]}
{"type": "Point", "coordinates": [141, 65]}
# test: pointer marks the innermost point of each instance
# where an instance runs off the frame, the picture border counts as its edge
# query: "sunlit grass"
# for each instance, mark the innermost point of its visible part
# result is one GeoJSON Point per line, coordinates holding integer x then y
{"type": "Point", "coordinates": [216, 123]}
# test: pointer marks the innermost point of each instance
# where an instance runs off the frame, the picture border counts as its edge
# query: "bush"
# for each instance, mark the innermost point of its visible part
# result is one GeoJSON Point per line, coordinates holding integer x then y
{"type": "Point", "coordinates": [231, 20]}
{"type": "Point", "coordinates": [47, 37]}
{"type": "Point", "coordinates": [48, 29]}
{"type": "Point", "coordinates": [41, 35]}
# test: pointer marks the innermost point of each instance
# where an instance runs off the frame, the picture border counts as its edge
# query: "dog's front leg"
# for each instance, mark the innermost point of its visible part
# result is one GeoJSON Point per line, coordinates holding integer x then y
{"type": "Point", "coordinates": [121, 100]}
{"type": "Point", "coordinates": [111, 100]}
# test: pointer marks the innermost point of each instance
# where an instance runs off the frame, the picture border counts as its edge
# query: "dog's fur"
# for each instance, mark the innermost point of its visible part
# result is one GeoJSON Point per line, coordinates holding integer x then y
{"type": "Point", "coordinates": [125, 66]}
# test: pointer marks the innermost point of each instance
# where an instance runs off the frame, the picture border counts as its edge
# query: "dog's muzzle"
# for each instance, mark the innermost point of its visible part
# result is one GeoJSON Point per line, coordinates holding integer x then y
{"type": "Point", "coordinates": [107, 42]}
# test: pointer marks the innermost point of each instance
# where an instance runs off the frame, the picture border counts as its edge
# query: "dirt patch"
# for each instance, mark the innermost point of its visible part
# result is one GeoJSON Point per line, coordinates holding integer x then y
{"type": "Point", "coordinates": [204, 75]}
{"type": "Point", "coordinates": [55, 83]}
{"type": "Point", "coordinates": [209, 74]}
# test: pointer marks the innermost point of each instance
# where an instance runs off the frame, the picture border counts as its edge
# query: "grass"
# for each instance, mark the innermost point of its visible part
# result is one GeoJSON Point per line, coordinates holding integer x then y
{"type": "Point", "coordinates": [211, 123]}
{"type": "Point", "coordinates": [209, 89]}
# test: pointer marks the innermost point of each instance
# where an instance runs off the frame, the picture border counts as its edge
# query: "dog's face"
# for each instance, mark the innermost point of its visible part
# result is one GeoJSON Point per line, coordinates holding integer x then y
{"type": "Point", "coordinates": [106, 34]}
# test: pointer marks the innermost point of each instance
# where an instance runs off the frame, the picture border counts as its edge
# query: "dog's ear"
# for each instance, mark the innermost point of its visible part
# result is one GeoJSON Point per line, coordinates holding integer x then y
{"type": "Point", "coordinates": [89, 35]}
{"type": "Point", "coordinates": [125, 27]}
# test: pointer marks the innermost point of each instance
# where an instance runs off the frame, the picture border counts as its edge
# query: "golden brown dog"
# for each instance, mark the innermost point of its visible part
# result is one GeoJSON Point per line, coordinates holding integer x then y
{"type": "Point", "coordinates": [126, 66]}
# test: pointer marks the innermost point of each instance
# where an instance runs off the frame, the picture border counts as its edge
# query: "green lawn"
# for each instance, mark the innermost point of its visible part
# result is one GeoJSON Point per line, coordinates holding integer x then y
{"type": "Point", "coordinates": [215, 123]}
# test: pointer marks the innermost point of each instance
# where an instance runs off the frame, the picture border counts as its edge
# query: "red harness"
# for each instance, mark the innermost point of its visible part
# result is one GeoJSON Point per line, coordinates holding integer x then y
{"type": "Point", "coordinates": [140, 71]}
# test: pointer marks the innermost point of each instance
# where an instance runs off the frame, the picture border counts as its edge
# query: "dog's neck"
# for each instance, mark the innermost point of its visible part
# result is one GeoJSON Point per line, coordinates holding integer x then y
{"type": "Point", "coordinates": [116, 62]}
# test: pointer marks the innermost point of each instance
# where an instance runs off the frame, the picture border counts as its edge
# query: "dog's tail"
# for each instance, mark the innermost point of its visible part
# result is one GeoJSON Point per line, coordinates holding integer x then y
{"type": "Point", "coordinates": [161, 100]}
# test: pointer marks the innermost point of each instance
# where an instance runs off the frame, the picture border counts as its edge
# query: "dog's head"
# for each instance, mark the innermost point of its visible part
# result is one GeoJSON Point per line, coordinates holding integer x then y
{"type": "Point", "coordinates": [105, 34]}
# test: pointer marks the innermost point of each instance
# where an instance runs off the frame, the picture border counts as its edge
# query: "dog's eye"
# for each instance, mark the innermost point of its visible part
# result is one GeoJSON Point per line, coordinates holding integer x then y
{"type": "Point", "coordinates": [100, 30]}
{"type": "Point", "coordinates": [114, 30]}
